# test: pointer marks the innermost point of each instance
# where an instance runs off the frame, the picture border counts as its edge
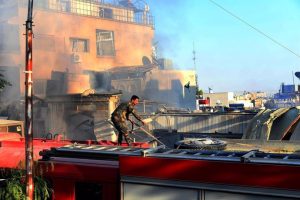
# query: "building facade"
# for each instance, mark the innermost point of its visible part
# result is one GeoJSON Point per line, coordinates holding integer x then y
{"type": "Point", "coordinates": [73, 36]}
{"type": "Point", "coordinates": [79, 44]}
{"type": "Point", "coordinates": [219, 98]}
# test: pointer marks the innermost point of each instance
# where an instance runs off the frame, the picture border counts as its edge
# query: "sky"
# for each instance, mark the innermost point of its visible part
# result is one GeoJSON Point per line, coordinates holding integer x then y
{"type": "Point", "coordinates": [230, 55]}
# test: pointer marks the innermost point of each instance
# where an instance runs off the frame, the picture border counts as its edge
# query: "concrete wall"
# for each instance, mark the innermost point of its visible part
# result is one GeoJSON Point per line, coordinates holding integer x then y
{"type": "Point", "coordinates": [165, 86]}
{"type": "Point", "coordinates": [168, 86]}
{"type": "Point", "coordinates": [220, 98]}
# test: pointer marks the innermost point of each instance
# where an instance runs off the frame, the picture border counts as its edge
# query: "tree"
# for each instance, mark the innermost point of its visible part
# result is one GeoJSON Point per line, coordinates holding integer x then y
{"type": "Point", "coordinates": [199, 92]}
{"type": "Point", "coordinates": [3, 82]}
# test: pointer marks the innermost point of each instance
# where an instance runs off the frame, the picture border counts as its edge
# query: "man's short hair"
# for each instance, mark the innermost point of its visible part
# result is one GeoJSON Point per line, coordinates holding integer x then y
{"type": "Point", "coordinates": [134, 97]}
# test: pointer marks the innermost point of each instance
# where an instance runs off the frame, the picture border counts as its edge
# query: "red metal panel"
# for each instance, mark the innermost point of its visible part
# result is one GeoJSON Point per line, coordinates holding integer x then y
{"type": "Point", "coordinates": [214, 172]}
{"type": "Point", "coordinates": [204, 101]}
{"type": "Point", "coordinates": [82, 171]}
{"type": "Point", "coordinates": [111, 191]}
{"type": "Point", "coordinates": [12, 153]}
{"type": "Point", "coordinates": [63, 189]}
{"type": "Point", "coordinates": [10, 136]}
{"type": "Point", "coordinates": [102, 172]}
{"type": "Point", "coordinates": [15, 149]}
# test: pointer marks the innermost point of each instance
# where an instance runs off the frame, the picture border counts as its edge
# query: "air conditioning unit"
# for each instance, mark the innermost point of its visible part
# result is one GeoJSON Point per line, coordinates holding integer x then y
{"type": "Point", "coordinates": [76, 58]}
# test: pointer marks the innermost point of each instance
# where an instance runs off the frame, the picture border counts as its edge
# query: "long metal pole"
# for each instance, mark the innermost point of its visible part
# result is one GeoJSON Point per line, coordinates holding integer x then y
{"type": "Point", "coordinates": [28, 106]}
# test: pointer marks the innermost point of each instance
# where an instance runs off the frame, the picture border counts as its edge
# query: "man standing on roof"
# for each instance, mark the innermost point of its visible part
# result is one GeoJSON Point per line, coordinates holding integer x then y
{"type": "Point", "coordinates": [121, 114]}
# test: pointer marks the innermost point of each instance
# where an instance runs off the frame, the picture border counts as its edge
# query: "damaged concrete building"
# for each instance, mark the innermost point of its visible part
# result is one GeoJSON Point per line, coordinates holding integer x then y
{"type": "Point", "coordinates": [73, 36]}
{"type": "Point", "coordinates": [76, 40]}
{"type": "Point", "coordinates": [79, 45]}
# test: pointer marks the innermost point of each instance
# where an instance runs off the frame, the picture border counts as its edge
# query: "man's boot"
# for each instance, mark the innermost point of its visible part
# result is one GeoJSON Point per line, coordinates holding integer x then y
{"type": "Point", "coordinates": [128, 139]}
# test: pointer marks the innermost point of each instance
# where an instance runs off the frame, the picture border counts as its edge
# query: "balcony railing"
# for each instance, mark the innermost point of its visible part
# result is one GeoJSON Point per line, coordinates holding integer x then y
{"type": "Point", "coordinates": [97, 9]}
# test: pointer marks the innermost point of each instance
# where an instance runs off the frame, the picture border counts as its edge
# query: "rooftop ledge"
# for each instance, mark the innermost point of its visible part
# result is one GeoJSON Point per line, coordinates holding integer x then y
{"type": "Point", "coordinates": [97, 9]}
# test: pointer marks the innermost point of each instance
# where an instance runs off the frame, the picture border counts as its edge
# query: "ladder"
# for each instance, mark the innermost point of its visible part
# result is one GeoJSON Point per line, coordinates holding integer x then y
{"type": "Point", "coordinates": [113, 152]}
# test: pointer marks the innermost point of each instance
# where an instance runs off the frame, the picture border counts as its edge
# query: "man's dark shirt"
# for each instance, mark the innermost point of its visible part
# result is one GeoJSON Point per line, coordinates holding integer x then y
{"type": "Point", "coordinates": [122, 112]}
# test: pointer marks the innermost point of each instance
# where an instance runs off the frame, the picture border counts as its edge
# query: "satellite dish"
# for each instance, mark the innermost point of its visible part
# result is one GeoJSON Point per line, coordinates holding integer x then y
{"type": "Point", "coordinates": [297, 74]}
{"type": "Point", "coordinates": [146, 60]}
{"type": "Point", "coordinates": [187, 86]}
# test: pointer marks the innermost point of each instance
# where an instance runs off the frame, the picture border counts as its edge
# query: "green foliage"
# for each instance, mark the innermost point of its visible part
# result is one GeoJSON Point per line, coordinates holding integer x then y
{"type": "Point", "coordinates": [14, 186]}
{"type": "Point", "coordinates": [199, 92]}
{"type": "Point", "coordinates": [3, 82]}
{"type": "Point", "coordinates": [41, 189]}
{"type": "Point", "coordinates": [14, 190]}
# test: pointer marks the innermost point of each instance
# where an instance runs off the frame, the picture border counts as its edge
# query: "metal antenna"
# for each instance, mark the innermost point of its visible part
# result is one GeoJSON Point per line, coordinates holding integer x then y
{"type": "Point", "coordinates": [194, 55]}
{"type": "Point", "coordinates": [194, 59]}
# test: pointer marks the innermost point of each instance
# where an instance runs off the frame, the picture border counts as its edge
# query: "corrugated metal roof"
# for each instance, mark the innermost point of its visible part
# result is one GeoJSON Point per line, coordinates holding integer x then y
{"type": "Point", "coordinates": [280, 124]}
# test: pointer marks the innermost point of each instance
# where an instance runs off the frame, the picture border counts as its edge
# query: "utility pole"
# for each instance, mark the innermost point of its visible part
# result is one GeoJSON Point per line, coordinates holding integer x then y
{"type": "Point", "coordinates": [28, 106]}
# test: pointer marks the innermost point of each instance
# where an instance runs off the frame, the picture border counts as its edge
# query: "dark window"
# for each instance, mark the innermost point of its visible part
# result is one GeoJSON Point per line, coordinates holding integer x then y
{"type": "Point", "coordinates": [15, 129]}
{"type": "Point", "coordinates": [90, 191]}
{"type": "Point", "coordinates": [105, 43]}
{"type": "Point", "coordinates": [79, 45]}
{"type": "Point", "coordinates": [106, 13]}
{"type": "Point", "coordinates": [65, 5]}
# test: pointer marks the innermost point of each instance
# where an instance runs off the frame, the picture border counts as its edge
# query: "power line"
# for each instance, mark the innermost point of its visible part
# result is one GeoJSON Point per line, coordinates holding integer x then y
{"type": "Point", "coordinates": [256, 29]}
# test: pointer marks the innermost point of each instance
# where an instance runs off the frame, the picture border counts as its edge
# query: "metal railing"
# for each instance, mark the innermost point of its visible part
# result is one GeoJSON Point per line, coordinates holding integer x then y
{"type": "Point", "coordinates": [96, 9]}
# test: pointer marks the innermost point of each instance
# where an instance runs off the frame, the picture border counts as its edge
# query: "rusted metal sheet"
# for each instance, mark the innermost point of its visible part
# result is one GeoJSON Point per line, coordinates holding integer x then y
{"type": "Point", "coordinates": [280, 124]}
{"type": "Point", "coordinates": [74, 115]}
{"type": "Point", "coordinates": [296, 133]}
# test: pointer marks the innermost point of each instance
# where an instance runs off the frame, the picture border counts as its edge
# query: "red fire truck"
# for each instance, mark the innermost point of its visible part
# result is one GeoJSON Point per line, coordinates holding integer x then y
{"type": "Point", "coordinates": [128, 173]}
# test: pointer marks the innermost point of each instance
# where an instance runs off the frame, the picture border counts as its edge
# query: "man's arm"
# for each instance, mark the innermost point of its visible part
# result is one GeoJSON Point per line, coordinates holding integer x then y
{"type": "Point", "coordinates": [136, 115]}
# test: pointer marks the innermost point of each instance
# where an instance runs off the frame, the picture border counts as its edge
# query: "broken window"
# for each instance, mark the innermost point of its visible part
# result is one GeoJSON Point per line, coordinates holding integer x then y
{"type": "Point", "coordinates": [105, 43]}
{"type": "Point", "coordinates": [79, 45]}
